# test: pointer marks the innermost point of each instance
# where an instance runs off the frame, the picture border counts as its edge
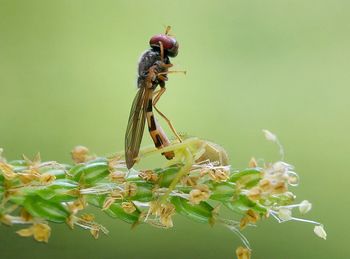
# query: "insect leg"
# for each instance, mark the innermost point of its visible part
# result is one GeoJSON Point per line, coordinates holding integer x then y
{"type": "Point", "coordinates": [156, 99]}
{"type": "Point", "coordinates": [171, 72]}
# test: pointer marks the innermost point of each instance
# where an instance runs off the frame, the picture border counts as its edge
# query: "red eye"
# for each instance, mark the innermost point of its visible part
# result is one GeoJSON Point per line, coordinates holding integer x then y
{"type": "Point", "coordinates": [170, 44]}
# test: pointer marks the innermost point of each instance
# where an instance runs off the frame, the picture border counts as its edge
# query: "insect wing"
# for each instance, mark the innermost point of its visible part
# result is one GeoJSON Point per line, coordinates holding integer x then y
{"type": "Point", "coordinates": [136, 125]}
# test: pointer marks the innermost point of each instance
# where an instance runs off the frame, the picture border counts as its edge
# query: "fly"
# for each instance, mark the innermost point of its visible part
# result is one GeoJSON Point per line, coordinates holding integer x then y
{"type": "Point", "coordinates": [153, 69]}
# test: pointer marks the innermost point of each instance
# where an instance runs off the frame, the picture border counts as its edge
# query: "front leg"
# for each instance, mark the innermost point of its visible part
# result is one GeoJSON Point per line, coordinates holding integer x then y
{"type": "Point", "coordinates": [151, 77]}
{"type": "Point", "coordinates": [157, 74]}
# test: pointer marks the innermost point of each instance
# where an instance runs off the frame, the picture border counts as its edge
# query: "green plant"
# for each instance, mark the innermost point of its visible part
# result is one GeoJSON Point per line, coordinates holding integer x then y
{"type": "Point", "coordinates": [197, 184]}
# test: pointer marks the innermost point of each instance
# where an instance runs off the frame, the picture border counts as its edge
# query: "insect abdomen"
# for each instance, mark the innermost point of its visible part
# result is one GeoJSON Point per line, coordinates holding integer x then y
{"type": "Point", "coordinates": [157, 134]}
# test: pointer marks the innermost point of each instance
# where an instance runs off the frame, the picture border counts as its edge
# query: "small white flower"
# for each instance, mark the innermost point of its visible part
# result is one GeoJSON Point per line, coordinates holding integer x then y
{"type": "Point", "coordinates": [285, 214]}
{"type": "Point", "coordinates": [319, 231]}
{"type": "Point", "coordinates": [305, 206]}
{"type": "Point", "coordinates": [293, 178]}
{"type": "Point", "coordinates": [273, 138]}
{"type": "Point", "coordinates": [269, 135]}
{"type": "Point", "coordinates": [282, 167]}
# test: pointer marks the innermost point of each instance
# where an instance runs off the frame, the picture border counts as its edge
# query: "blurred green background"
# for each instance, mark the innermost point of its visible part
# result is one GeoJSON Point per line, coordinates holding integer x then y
{"type": "Point", "coordinates": [67, 77]}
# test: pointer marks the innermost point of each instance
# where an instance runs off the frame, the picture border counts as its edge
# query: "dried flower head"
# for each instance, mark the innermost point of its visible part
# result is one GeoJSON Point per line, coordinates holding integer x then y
{"type": "Point", "coordinates": [254, 193]}
{"type": "Point", "coordinates": [40, 231]}
{"type": "Point", "coordinates": [88, 217]}
{"type": "Point", "coordinates": [29, 176]}
{"type": "Point", "coordinates": [130, 189]}
{"type": "Point", "coordinates": [76, 206]}
{"type": "Point", "coordinates": [280, 187]}
{"type": "Point", "coordinates": [25, 215]}
{"type": "Point", "coordinates": [108, 202]}
{"type": "Point", "coordinates": [199, 193]}
{"type": "Point", "coordinates": [6, 219]}
{"type": "Point", "coordinates": [265, 184]}
{"type": "Point", "coordinates": [190, 180]}
{"type": "Point", "coordinates": [111, 198]}
{"type": "Point", "coordinates": [128, 207]}
{"type": "Point", "coordinates": [242, 253]}
{"type": "Point", "coordinates": [243, 222]}
{"type": "Point", "coordinates": [35, 163]}
{"type": "Point", "coordinates": [47, 178]}
{"type": "Point", "coordinates": [148, 175]}
{"type": "Point", "coordinates": [95, 232]}
{"type": "Point", "coordinates": [86, 222]}
{"type": "Point", "coordinates": [165, 213]}
{"type": "Point", "coordinates": [117, 176]}
{"type": "Point", "coordinates": [80, 154]}
{"type": "Point", "coordinates": [252, 163]}
{"type": "Point", "coordinates": [251, 216]}
{"type": "Point", "coordinates": [218, 175]}
{"type": "Point", "coordinates": [7, 171]}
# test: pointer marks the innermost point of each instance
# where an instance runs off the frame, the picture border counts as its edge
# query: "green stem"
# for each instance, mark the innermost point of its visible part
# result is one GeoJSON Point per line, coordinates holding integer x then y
{"type": "Point", "coordinates": [184, 170]}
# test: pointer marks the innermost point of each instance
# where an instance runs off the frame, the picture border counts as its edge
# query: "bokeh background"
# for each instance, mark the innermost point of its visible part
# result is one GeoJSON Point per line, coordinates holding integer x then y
{"type": "Point", "coordinates": [67, 77]}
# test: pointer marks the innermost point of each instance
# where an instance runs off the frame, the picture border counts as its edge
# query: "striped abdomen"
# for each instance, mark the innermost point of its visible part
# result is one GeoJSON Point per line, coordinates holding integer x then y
{"type": "Point", "coordinates": [155, 130]}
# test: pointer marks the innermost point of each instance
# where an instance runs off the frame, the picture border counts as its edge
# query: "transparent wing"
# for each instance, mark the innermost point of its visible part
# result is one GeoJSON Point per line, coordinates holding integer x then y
{"type": "Point", "coordinates": [136, 125]}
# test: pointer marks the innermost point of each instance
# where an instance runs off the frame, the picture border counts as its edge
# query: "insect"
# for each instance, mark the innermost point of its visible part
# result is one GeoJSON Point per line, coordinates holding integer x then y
{"type": "Point", "coordinates": [152, 72]}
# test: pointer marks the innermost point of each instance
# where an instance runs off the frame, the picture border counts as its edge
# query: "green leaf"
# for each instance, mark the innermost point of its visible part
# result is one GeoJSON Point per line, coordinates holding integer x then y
{"type": "Point", "coordinates": [97, 160]}
{"type": "Point", "coordinates": [248, 177]}
{"type": "Point", "coordinates": [144, 192]}
{"type": "Point", "coordinates": [52, 211]}
{"type": "Point", "coordinates": [201, 212]}
{"type": "Point", "coordinates": [17, 199]}
{"type": "Point", "coordinates": [243, 203]}
{"type": "Point", "coordinates": [116, 211]}
{"type": "Point", "coordinates": [222, 191]}
{"type": "Point", "coordinates": [91, 172]}
{"type": "Point", "coordinates": [76, 171]}
{"type": "Point", "coordinates": [246, 172]}
{"type": "Point", "coordinates": [96, 200]}
{"type": "Point", "coordinates": [167, 175]}
{"type": "Point", "coordinates": [58, 173]}
{"type": "Point", "coordinates": [60, 191]}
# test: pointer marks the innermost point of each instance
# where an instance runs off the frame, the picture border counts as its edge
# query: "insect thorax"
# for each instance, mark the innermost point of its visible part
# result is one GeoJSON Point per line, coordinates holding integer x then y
{"type": "Point", "coordinates": [147, 60]}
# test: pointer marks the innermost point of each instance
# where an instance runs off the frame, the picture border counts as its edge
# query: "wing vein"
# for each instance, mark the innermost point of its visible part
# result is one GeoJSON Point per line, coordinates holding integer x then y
{"type": "Point", "coordinates": [136, 125]}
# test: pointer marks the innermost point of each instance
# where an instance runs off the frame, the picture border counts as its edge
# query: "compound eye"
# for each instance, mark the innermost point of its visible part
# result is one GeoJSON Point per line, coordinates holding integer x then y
{"type": "Point", "coordinates": [170, 44]}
